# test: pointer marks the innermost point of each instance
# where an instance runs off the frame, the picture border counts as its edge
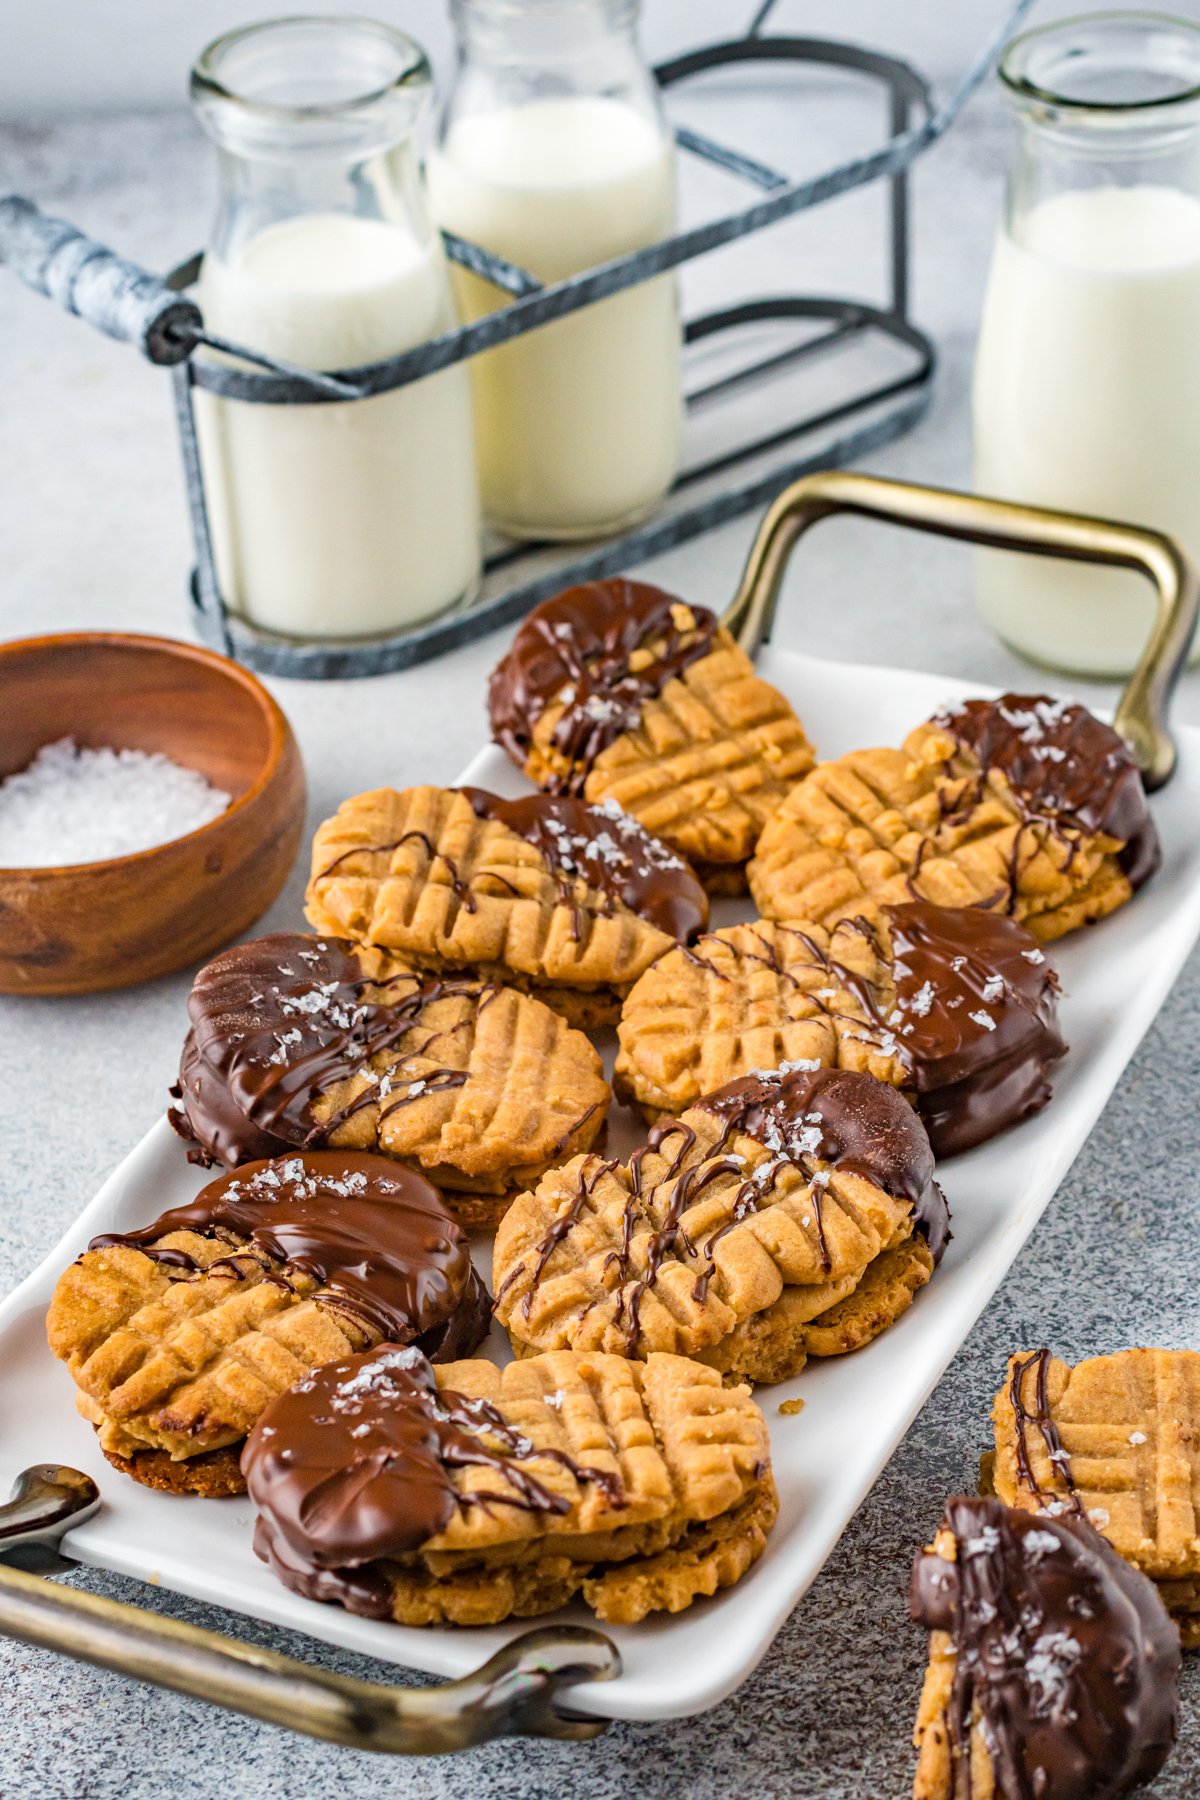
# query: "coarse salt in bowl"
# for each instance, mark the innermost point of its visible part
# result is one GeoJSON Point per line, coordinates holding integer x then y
{"type": "Point", "coordinates": [78, 927]}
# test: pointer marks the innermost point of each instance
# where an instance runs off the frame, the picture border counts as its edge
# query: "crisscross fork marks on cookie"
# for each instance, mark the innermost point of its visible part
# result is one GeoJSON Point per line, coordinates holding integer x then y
{"type": "Point", "coordinates": [483, 1094]}
{"type": "Point", "coordinates": [467, 892]}
{"type": "Point", "coordinates": [711, 758]}
{"type": "Point", "coordinates": [882, 826]}
{"type": "Point", "coordinates": [753, 996]}
{"type": "Point", "coordinates": [1129, 1430]}
{"type": "Point", "coordinates": [188, 1364]}
{"type": "Point", "coordinates": [677, 1443]}
{"type": "Point", "coordinates": [701, 1231]}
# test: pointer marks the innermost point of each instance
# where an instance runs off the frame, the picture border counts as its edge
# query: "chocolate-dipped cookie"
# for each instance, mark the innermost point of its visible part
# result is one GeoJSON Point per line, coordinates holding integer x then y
{"type": "Point", "coordinates": [793, 1213]}
{"type": "Point", "coordinates": [617, 690]}
{"type": "Point", "coordinates": [307, 1041]}
{"type": "Point", "coordinates": [467, 1494]}
{"type": "Point", "coordinates": [545, 893]}
{"type": "Point", "coordinates": [180, 1332]}
{"type": "Point", "coordinates": [970, 1002]}
{"type": "Point", "coordinates": [1054, 1668]}
{"type": "Point", "coordinates": [1023, 805]}
{"type": "Point", "coordinates": [955, 1006]}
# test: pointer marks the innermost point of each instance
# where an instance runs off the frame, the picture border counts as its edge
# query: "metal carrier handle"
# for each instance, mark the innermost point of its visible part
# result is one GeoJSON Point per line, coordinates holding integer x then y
{"type": "Point", "coordinates": [1141, 715]}
{"type": "Point", "coordinates": [513, 1694]}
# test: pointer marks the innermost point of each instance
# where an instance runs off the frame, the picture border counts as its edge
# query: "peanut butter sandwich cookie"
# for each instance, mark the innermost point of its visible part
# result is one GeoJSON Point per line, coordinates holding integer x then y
{"type": "Point", "coordinates": [955, 1006]}
{"type": "Point", "coordinates": [1053, 1667]}
{"type": "Point", "coordinates": [567, 901]}
{"type": "Point", "coordinates": [469, 1494]}
{"type": "Point", "coordinates": [298, 1042]}
{"type": "Point", "coordinates": [1023, 805]}
{"type": "Point", "coordinates": [180, 1333]}
{"type": "Point", "coordinates": [619, 691]}
{"type": "Point", "coordinates": [1115, 1440]}
{"type": "Point", "coordinates": [793, 1213]}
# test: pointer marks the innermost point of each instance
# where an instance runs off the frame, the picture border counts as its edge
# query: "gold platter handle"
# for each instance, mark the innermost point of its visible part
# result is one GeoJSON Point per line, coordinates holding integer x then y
{"type": "Point", "coordinates": [1141, 716]}
{"type": "Point", "coordinates": [512, 1694]}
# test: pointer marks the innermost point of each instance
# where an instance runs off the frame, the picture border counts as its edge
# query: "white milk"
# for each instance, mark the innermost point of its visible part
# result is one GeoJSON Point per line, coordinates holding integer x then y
{"type": "Point", "coordinates": [339, 520]}
{"type": "Point", "coordinates": [1087, 397]}
{"type": "Point", "coordinates": [578, 424]}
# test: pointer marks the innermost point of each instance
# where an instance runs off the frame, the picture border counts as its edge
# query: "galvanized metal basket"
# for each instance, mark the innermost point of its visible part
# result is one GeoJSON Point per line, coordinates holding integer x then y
{"type": "Point", "coordinates": [166, 325]}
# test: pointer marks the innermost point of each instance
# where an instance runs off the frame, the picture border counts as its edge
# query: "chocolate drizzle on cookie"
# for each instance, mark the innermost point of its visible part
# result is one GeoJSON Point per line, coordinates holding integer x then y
{"type": "Point", "coordinates": [353, 1465]}
{"type": "Point", "coordinates": [1042, 1422]}
{"type": "Point", "coordinates": [606, 850]}
{"type": "Point", "coordinates": [599, 652]}
{"type": "Point", "coordinates": [280, 1020]}
{"type": "Point", "coordinates": [1065, 767]}
{"type": "Point", "coordinates": [373, 1235]}
{"type": "Point", "coordinates": [973, 1018]}
{"type": "Point", "coordinates": [846, 1120]}
{"type": "Point", "coordinates": [1064, 1653]}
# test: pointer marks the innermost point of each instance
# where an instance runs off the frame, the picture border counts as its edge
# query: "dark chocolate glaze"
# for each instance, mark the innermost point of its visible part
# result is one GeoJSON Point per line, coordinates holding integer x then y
{"type": "Point", "coordinates": [1065, 766]}
{"type": "Point", "coordinates": [372, 1233]}
{"type": "Point", "coordinates": [848, 1120]}
{"type": "Point", "coordinates": [278, 1021]}
{"type": "Point", "coordinates": [576, 647]}
{"type": "Point", "coordinates": [1065, 1650]}
{"type": "Point", "coordinates": [351, 1466]}
{"type": "Point", "coordinates": [975, 1019]}
{"type": "Point", "coordinates": [609, 851]}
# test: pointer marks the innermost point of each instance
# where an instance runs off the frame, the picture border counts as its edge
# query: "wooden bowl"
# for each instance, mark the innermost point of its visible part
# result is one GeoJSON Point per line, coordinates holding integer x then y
{"type": "Point", "coordinates": [90, 926]}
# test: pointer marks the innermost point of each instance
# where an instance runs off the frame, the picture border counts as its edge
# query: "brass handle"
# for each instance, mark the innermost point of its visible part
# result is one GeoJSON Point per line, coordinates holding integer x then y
{"type": "Point", "coordinates": [512, 1694]}
{"type": "Point", "coordinates": [1141, 716]}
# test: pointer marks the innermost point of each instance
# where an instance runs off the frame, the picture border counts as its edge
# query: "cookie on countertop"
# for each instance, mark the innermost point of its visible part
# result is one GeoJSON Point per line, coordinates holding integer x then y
{"type": "Point", "coordinates": [793, 1213]}
{"type": "Point", "coordinates": [301, 1042]}
{"type": "Point", "coordinates": [1022, 805]}
{"type": "Point", "coordinates": [619, 691]}
{"type": "Point", "coordinates": [178, 1334]}
{"type": "Point", "coordinates": [469, 1494]}
{"type": "Point", "coordinates": [1053, 1667]}
{"type": "Point", "coordinates": [1115, 1440]}
{"type": "Point", "coordinates": [565, 900]}
{"type": "Point", "coordinates": [953, 1004]}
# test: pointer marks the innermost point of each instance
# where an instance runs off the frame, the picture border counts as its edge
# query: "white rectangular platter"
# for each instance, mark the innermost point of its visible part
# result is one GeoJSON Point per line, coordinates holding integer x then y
{"type": "Point", "coordinates": [1115, 976]}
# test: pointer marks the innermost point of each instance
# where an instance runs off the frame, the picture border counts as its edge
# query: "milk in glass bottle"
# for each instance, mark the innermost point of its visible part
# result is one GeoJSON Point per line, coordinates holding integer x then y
{"type": "Point", "coordinates": [552, 150]}
{"type": "Point", "coordinates": [1087, 378]}
{"type": "Point", "coordinates": [342, 520]}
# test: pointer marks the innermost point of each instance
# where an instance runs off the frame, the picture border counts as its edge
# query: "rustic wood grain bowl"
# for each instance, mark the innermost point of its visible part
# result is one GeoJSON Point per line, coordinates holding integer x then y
{"type": "Point", "coordinates": [81, 928]}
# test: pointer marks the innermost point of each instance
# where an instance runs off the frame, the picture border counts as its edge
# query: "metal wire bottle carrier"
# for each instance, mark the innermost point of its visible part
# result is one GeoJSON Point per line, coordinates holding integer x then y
{"type": "Point", "coordinates": [157, 316]}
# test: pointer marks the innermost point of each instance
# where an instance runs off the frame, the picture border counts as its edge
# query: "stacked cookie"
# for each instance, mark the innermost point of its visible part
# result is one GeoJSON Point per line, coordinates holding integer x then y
{"type": "Point", "coordinates": [1022, 805]}
{"type": "Point", "coordinates": [1053, 1666]}
{"type": "Point", "coordinates": [420, 1066]}
{"type": "Point", "coordinates": [1058, 1604]}
{"type": "Point", "coordinates": [790, 1214]}
{"type": "Point", "coordinates": [1114, 1441]}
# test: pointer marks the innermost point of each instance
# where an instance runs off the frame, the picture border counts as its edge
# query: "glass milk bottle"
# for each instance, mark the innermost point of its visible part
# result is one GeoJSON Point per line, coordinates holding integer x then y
{"type": "Point", "coordinates": [552, 150]}
{"type": "Point", "coordinates": [342, 520]}
{"type": "Point", "coordinates": [1087, 379]}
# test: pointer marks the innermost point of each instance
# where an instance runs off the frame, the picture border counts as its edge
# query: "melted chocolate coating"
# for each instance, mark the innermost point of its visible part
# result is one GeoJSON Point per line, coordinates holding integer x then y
{"type": "Point", "coordinates": [1066, 1650]}
{"type": "Point", "coordinates": [352, 1465]}
{"type": "Point", "coordinates": [975, 1019]}
{"type": "Point", "coordinates": [1065, 766]}
{"type": "Point", "coordinates": [848, 1120]}
{"type": "Point", "coordinates": [374, 1235]}
{"type": "Point", "coordinates": [576, 648]}
{"type": "Point", "coordinates": [275, 1023]}
{"type": "Point", "coordinates": [611, 852]}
